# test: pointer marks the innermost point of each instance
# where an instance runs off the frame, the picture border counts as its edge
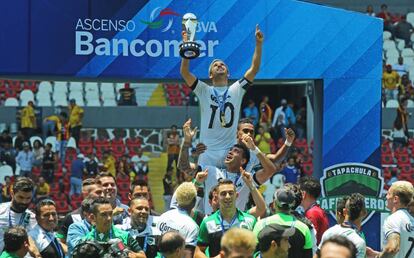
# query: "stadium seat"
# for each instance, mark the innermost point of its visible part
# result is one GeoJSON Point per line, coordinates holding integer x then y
{"type": "Point", "coordinates": [106, 87]}
{"type": "Point", "coordinates": [400, 44]}
{"type": "Point", "coordinates": [75, 204]}
{"type": "Point", "coordinates": [59, 196]}
{"type": "Point", "coordinates": [124, 197]}
{"type": "Point", "coordinates": [11, 102]}
{"type": "Point", "coordinates": [109, 103]}
{"type": "Point", "coordinates": [93, 103]}
{"type": "Point", "coordinates": [386, 35]}
{"type": "Point", "coordinates": [14, 85]}
{"type": "Point", "coordinates": [76, 86]}
{"type": "Point", "coordinates": [118, 147]}
{"type": "Point", "coordinates": [133, 144]}
{"type": "Point", "coordinates": [392, 53]}
{"type": "Point", "coordinates": [389, 44]}
{"type": "Point", "coordinates": [386, 159]}
{"type": "Point", "coordinates": [386, 149]}
{"type": "Point", "coordinates": [108, 95]}
{"type": "Point", "coordinates": [71, 143]}
{"type": "Point", "coordinates": [54, 188]}
{"type": "Point", "coordinates": [410, 18]}
{"type": "Point", "coordinates": [392, 103]}
{"type": "Point", "coordinates": [122, 178]}
{"type": "Point", "coordinates": [403, 160]}
{"type": "Point", "coordinates": [307, 169]}
{"type": "Point", "coordinates": [30, 85]}
{"type": "Point", "coordinates": [5, 170]}
{"type": "Point", "coordinates": [85, 146]}
{"type": "Point", "coordinates": [91, 86]}
{"type": "Point", "coordinates": [45, 86]}
{"type": "Point", "coordinates": [62, 207]}
{"type": "Point", "coordinates": [2, 86]}
{"type": "Point", "coordinates": [52, 140]}
{"type": "Point", "coordinates": [44, 102]}
{"type": "Point", "coordinates": [33, 139]}
{"type": "Point", "coordinates": [102, 145]}
{"type": "Point", "coordinates": [36, 171]}
{"type": "Point", "coordinates": [407, 53]}
{"type": "Point", "coordinates": [60, 86]}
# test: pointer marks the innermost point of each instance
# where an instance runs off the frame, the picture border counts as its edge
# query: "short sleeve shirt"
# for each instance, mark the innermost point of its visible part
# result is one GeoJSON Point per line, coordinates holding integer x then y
{"type": "Point", "coordinates": [349, 233]}
{"type": "Point", "coordinates": [402, 223]}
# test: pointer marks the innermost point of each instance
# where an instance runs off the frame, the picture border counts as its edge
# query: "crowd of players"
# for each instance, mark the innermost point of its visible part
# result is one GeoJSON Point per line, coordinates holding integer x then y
{"type": "Point", "coordinates": [219, 213]}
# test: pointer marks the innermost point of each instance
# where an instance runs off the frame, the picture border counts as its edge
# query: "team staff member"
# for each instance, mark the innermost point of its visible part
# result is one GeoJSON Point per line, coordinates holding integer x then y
{"type": "Point", "coordinates": [220, 104]}
{"type": "Point", "coordinates": [16, 243]}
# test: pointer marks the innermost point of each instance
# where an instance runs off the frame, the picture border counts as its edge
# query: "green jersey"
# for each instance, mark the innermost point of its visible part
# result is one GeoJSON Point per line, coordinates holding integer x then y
{"type": "Point", "coordinates": [6, 254]}
{"type": "Point", "coordinates": [213, 227]}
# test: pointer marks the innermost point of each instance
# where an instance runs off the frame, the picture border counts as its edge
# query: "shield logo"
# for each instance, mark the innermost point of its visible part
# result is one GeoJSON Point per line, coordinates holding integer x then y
{"type": "Point", "coordinates": [346, 178]}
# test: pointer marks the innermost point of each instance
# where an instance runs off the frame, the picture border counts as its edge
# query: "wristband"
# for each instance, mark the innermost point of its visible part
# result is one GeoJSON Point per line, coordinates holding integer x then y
{"type": "Point", "coordinates": [256, 151]}
{"type": "Point", "coordinates": [288, 143]}
{"type": "Point", "coordinates": [197, 183]}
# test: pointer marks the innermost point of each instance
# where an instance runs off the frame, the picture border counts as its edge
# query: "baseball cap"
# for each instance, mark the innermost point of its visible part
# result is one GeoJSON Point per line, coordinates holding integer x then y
{"type": "Point", "coordinates": [80, 156]}
{"type": "Point", "coordinates": [273, 232]}
{"type": "Point", "coordinates": [284, 196]}
{"type": "Point", "coordinates": [25, 144]}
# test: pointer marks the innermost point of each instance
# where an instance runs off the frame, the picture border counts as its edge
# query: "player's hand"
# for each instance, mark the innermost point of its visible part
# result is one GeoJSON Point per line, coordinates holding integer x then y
{"type": "Point", "coordinates": [201, 176]}
{"type": "Point", "coordinates": [259, 34]}
{"type": "Point", "coordinates": [280, 166]}
{"type": "Point", "coordinates": [290, 135]}
{"type": "Point", "coordinates": [188, 132]}
{"type": "Point", "coordinates": [247, 177]}
{"type": "Point", "coordinates": [248, 141]}
{"type": "Point", "coordinates": [200, 148]}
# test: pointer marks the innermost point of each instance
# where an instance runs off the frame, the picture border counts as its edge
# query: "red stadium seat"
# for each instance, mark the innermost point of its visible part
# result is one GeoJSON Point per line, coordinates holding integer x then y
{"type": "Point", "coordinates": [175, 101]}
{"type": "Point", "coordinates": [185, 89]}
{"type": "Point", "coordinates": [54, 188]}
{"type": "Point", "coordinates": [75, 204]}
{"type": "Point", "coordinates": [401, 151]}
{"type": "Point", "coordinates": [86, 146]}
{"type": "Point", "coordinates": [2, 86]}
{"type": "Point", "coordinates": [387, 159]}
{"type": "Point", "coordinates": [133, 145]}
{"type": "Point", "coordinates": [124, 197]}
{"type": "Point", "coordinates": [62, 207]}
{"type": "Point", "coordinates": [58, 196]}
{"type": "Point", "coordinates": [307, 169]}
{"type": "Point", "coordinates": [102, 146]}
{"type": "Point", "coordinates": [118, 147]}
{"type": "Point", "coordinates": [403, 159]}
{"type": "Point", "coordinates": [14, 85]}
{"type": "Point", "coordinates": [386, 149]}
{"type": "Point", "coordinates": [123, 186]}
{"type": "Point", "coordinates": [30, 85]}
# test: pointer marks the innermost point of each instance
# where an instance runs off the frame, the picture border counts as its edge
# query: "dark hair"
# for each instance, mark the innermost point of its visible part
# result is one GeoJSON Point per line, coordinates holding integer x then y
{"type": "Point", "coordinates": [104, 174]}
{"type": "Point", "coordinates": [63, 114]}
{"type": "Point", "coordinates": [170, 241]}
{"type": "Point", "coordinates": [296, 192]}
{"type": "Point", "coordinates": [44, 202]}
{"type": "Point", "coordinates": [86, 205]}
{"type": "Point", "coordinates": [49, 145]}
{"type": "Point", "coordinates": [23, 184]}
{"type": "Point", "coordinates": [174, 127]}
{"type": "Point", "coordinates": [38, 141]}
{"type": "Point", "coordinates": [224, 182]}
{"type": "Point", "coordinates": [341, 204]}
{"type": "Point", "coordinates": [138, 199]}
{"type": "Point", "coordinates": [264, 244]}
{"type": "Point", "coordinates": [244, 121]}
{"type": "Point", "coordinates": [245, 151]}
{"type": "Point", "coordinates": [355, 205]}
{"type": "Point", "coordinates": [14, 238]}
{"type": "Point", "coordinates": [311, 186]}
{"type": "Point", "coordinates": [211, 193]}
{"type": "Point", "coordinates": [89, 181]}
{"type": "Point", "coordinates": [136, 183]}
{"type": "Point", "coordinates": [341, 241]}
{"type": "Point", "coordinates": [98, 202]}
{"type": "Point", "coordinates": [88, 249]}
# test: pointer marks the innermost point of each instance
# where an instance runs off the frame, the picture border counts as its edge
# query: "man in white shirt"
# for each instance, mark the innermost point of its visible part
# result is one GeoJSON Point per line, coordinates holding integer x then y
{"type": "Point", "coordinates": [351, 226]}
{"type": "Point", "coordinates": [220, 103]}
{"type": "Point", "coordinates": [179, 220]}
{"type": "Point", "coordinates": [15, 213]}
{"type": "Point", "coordinates": [398, 228]}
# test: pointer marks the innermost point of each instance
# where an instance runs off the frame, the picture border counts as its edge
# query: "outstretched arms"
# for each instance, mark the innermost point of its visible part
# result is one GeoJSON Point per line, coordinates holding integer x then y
{"type": "Point", "coordinates": [257, 56]}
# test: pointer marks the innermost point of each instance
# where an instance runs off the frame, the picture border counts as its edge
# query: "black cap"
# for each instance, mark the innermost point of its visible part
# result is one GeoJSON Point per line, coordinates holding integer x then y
{"type": "Point", "coordinates": [284, 196]}
{"type": "Point", "coordinates": [273, 232]}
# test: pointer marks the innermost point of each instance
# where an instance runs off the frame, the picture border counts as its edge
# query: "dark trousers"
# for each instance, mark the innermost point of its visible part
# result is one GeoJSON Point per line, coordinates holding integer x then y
{"type": "Point", "coordinates": [75, 133]}
{"type": "Point", "coordinates": [171, 159]}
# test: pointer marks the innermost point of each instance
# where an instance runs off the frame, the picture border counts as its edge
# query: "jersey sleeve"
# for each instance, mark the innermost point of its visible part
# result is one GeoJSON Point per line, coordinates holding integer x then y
{"type": "Point", "coordinates": [200, 89]}
{"type": "Point", "coordinates": [391, 225]}
{"type": "Point", "coordinates": [191, 238]}
{"type": "Point", "coordinates": [308, 240]}
{"type": "Point", "coordinates": [202, 239]}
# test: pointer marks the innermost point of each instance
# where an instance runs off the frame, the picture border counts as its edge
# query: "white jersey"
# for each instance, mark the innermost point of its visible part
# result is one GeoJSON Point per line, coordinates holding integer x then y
{"type": "Point", "coordinates": [350, 234]}
{"type": "Point", "coordinates": [178, 220]}
{"type": "Point", "coordinates": [9, 218]}
{"type": "Point", "coordinates": [402, 223]}
{"type": "Point", "coordinates": [214, 175]}
{"type": "Point", "coordinates": [151, 228]}
{"type": "Point", "coordinates": [212, 133]}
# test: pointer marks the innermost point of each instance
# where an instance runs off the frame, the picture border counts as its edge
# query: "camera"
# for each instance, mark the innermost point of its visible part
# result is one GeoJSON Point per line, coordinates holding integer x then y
{"type": "Point", "coordinates": [115, 248]}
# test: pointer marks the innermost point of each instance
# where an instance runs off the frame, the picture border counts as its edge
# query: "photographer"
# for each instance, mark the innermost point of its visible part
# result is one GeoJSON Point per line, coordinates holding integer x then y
{"type": "Point", "coordinates": [104, 232]}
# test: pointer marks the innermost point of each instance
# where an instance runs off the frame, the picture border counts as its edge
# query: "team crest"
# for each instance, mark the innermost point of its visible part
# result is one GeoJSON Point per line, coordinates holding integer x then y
{"type": "Point", "coordinates": [346, 178]}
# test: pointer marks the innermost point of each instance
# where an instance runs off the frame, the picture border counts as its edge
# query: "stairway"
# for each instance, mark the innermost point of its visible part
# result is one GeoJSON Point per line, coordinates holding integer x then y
{"type": "Point", "coordinates": [157, 167]}
{"type": "Point", "coordinates": [157, 98]}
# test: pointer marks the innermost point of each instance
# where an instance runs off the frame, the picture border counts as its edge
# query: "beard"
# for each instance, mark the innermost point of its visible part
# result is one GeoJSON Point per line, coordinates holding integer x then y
{"type": "Point", "coordinates": [19, 207]}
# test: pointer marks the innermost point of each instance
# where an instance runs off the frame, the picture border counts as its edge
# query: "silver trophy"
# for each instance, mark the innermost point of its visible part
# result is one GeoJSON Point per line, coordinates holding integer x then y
{"type": "Point", "coordinates": [189, 49]}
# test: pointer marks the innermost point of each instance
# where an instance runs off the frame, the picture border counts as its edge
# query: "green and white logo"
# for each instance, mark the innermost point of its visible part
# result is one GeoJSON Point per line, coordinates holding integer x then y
{"type": "Point", "coordinates": [346, 178]}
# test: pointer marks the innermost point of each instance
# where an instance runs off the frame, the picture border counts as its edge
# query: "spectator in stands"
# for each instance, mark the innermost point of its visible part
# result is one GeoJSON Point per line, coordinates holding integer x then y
{"type": "Point", "coordinates": [399, 139]}
{"type": "Point", "coordinates": [16, 212]}
{"type": "Point", "coordinates": [406, 87]}
{"type": "Point", "coordinates": [49, 163]}
{"type": "Point", "coordinates": [42, 189]}
{"type": "Point", "coordinates": [123, 166]}
{"type": "Point", "coordinates": [49, 125]}
{"type": "Point", "coordinates": [62, 137]}
{"type": "Point", "coordinates": [301, 121]}
{"type": "Point", "coordinates": [251, 112]}
{"type": "Point", "coordinates": [173, 149]}
{"type": "Point", "coordinates": [265, 113]}
{"type": "Point", "coordinates": [18, 141]}
{"type": "Point", "coordinates": [338, 247]}
{"type": "Point", "coordinates": [286, 112]}
{"type": "Point", "coordinates": [301, 242]}
{"type": "Point", "coordinates": [263, 140]}
{"type": "Point", "coordinates": [403, 115]}
{"type": "Point", "coordinates": [38, 152]}
{"type": "Point", "coordinates": [238, 242]}
{"type": "Point", "coordinates": [104, 230]}
{"type": "Point", "coordinates": [404, 30]}
{"type": "Point", "coordinates": [179, 219]}
{"type": "Point", "coordinates": [43, 233]}
{"type": "Point", "coordinates": [8, 155]}
{"type": "Point", "coordinates": [77, 230]}
{"type": "Point", "coordinates": [351, 226]}
{"type": "Point", "coordinates": [28, 120]}
{"type": "Point", "coordinates": [142, 226]}
{"type": "Point", "coordinates": [168, 189]}
{"type": "Point", "coordinates": [109, 162]}
{"type": "Point", "coordinates": [108, 182]}
{"type": "Point", "coordinates": [16, 242]}
{"type": "Point", "coordinates": [90, 189]}
{"type": "Point", "coordinates": [6, 190]}
{"type": "Point", "coordinates": [400, 67]}
{"type": "Point", "coordinates": [393, 178]}
{"type": "Point", "coordinates": [25, 160]}
{"type": "Point", "coordinates": [290, 172]}
{"type": "Point", "coordinates": [172, 245]}
{"type": "Point", "coordinates": [274, 241]}
{"type": "Point", "coordinates": [140, 164]}
{"type": "Point", "coordinates": [311, 189]}
{"type": "Point", "coordinates": [390, 81]}
{"type": "Point", "coordinates": [75, 120]}
{"type": "Point", "coordinates": [370, 11]}
{"type": "Point", "coordinates": [228, 216]}
{"type": "Point", "coordinates": [5, 138]}
{"type": "Point", "coordinates": [127, 96]}
{"type": "Point", "coordinates": [91, 166]}
{"type": "Point", "coordinates": [387, 17]}
{"type": "Point", "coordinates": [77, 171]}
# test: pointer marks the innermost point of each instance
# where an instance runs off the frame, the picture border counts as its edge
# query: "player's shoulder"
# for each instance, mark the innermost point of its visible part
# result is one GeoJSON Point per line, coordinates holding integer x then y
{"type": "Point", "coordinates": [4, 207]}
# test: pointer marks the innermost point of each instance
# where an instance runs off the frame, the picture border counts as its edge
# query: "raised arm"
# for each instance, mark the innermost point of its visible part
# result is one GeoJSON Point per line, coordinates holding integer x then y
{"type": "Point", "coordinates": [188, 77]}
{"type": "Point", "coordinates": [281, 153]}
{"type": "Point", "coordinates": [184, 164]}
{"type": "Point", "coordinates": [268, 167]}
{"type": "Point", "coordinates": [260, 205]}
{"type": "Point", "coordinates": [257, 56]}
